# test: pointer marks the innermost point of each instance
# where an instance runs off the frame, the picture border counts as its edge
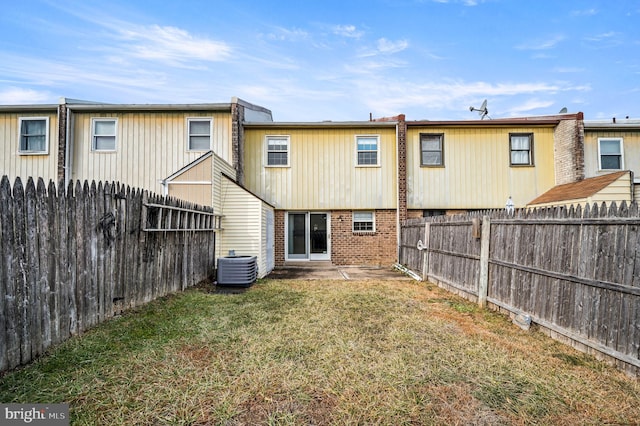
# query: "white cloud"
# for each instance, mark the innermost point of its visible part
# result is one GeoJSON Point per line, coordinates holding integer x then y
{"type": "Point", "coordinates": [349, 31]}
{"type": "Point", "coordinates": [385, 47]}
{"type": "Point", "coordinates": [529, 105]}
{"type": "Point", "coordinates": [286, 34]}
{"type": "Point", "coordinates": [171, 44]}
{"type": "Point", "coordinates": [541, 44]}
{"type": "Point", "coordinates": [568, 69]}
{"type": "Point", "coordinates": [20, 96]}
{"type": "Point", "coordinates": [388, 46]}
{"type": "Point", "coordinates": [584, 12]}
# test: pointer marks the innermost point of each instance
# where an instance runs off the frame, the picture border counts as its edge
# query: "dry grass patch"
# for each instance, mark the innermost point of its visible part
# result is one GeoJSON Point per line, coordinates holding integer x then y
{"type": "Point", "coordinates": [323, 352]}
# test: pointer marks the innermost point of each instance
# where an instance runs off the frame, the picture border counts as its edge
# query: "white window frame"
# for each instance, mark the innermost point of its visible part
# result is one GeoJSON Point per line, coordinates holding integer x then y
{"type": "Point", "coordinates": [22, 151]}
{"type": "Point", "coordinates": [94, 147]}
{"type": "Point", "coordinates": [268, 138]}
{"type": "Point", "coordinates": [377, 151]}
{"type": "Point", "coordinates": [529, 163]}
{"type": "Point", "coordinates": [620, 145]}
{"type": "Point", "coordinates": [372, 221]}
{"type": "Point", "coordinates": [194, 119]}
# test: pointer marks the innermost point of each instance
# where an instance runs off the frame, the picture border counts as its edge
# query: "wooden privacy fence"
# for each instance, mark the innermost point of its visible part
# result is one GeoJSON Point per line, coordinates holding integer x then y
{"type": "Point", "coordinates": [574, 272]}
{"type": "Point", "coordinates": [72, 259]}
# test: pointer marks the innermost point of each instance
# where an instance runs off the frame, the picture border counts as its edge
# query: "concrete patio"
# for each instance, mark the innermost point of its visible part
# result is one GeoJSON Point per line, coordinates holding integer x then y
{"type": "Point", "coordinates": [328, 271]}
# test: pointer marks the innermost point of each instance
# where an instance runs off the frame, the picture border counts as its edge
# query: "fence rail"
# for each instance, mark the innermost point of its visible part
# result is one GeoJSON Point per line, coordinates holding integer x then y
{"type": "Point", "coordinates": [575, 272]}
{"type": "Point", "coordinates": [71, 258]}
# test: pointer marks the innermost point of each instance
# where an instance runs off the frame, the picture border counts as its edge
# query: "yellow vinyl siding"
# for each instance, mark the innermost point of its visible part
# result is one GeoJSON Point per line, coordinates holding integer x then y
{"type": "Point", "coordinates": [202, 183]}
{"type": "Point", "coordinates": [631, 151]}
{"type": "Point", "coordinates": [322, 172]}
{"type": "Point", "coordinates": [149, 145]}
{"type": "Point", "coordinates": [194, 184]}
{"type": "Point", "coordinates": [14, 164]}
{"type": "Point", "coordinates": [220, 166]}
{"type": "Point", "coordinates": [244, 227]}
{"type": "Point", "coordinates": [477, 171]}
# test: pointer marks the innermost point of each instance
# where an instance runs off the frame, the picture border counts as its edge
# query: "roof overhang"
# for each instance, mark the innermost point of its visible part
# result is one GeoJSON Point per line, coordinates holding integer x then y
{"type": "Point", "coordinates": [320, 124]}
{"type": "Point", "coordinates": [149, 107]}
{"type": "Point", "coordinates": [29, 108]}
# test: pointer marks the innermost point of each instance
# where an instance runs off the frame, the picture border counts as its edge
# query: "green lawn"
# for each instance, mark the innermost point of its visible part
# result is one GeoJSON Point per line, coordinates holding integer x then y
{"type": "Point", "coordinates": [323, 352]}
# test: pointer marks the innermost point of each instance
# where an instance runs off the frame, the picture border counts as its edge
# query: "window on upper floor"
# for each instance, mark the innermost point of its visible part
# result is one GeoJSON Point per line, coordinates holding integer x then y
{"type": "Point", "coordinates": [199, 134]}
{"type": "Point", "coordinates": [521, 149]}
{"type": "Point", "coordinates": [277, 151]}
{"type": "Point", "coordinates": [367, 149]}
{"type": "Point", "coordinates": [103, 136]}
{"type": "Point", "coordinates": [610, 154]}
{"type": "Point", "coordinates": [363, 222]}
{"type": "Point", "coordinates": [34, 135]}
{"type": "Point", "coordinates": [431, 149]}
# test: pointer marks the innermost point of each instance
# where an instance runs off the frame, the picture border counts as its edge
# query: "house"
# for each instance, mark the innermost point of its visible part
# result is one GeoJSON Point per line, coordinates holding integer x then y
{"type": "Point", "coordinates": [29, 141]}
{"type": "Point", "coordinates": [341, 189]}
{"type": "Point", "coordinates": [610, 146]}
{"type": "Point", "coordinates": [159, 148]}
{"type": "Point", "coordinates": [334, 187]}
{"type": "Point", "coordinates": [303, 191]}
{"type": "Point", "coordinates": [610, 156]}
{"type": "Point", "coordinates": [479, 164]}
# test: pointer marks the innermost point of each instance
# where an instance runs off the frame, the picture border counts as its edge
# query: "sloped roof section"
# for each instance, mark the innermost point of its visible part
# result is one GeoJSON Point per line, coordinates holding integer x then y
{"type": "Point", "coordinates": [583, 189]}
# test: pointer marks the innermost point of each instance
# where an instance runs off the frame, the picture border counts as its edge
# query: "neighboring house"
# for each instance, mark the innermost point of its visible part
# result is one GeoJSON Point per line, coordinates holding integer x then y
{"type": "Point", "coordinates": [154, 147]}
{"type": "Point", "coordinates": [479, 164]}
{"type": "Point", "coordinates": [610, 146]}
{"type": "Point", "coordinates": [610, 158]}
{"type": "Point", "coordinates": [29, 141]}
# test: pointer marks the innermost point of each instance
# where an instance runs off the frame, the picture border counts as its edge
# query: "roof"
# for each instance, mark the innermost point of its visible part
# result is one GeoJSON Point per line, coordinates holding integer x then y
{"type": "Point", "coordinates": [540, 120]}
{"type": "Point", "coordinates": [28, 108]}
{"type": "Point", "coordinates": [612, 124]}
{"type": "Point", "coordinates": [582, 189]}
{"type": "Point", "coordinates": [320, 124]}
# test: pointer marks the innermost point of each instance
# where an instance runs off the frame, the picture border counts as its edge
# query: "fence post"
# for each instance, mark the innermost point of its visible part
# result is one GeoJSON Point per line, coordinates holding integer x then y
{"type": "Point", "coordinates": [425, 252]}
{"type": "Point", "coordinates": [483, 283]}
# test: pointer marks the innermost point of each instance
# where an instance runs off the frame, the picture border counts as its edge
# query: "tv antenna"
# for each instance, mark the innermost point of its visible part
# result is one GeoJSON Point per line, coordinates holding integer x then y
{"type": "Point", "coordinates": [482, 111]}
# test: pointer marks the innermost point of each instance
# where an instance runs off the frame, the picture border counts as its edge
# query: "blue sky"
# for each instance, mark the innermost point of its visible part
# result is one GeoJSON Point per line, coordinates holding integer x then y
{"type": "Point", "coordinates": [329, 60]}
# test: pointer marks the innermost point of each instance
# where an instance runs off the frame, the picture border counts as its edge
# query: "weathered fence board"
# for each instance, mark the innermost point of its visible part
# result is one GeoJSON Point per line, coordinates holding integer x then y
{"type": "Point", "coordinates": [575, 271]}
{"type": "Point", "coordinates": [73, 257]}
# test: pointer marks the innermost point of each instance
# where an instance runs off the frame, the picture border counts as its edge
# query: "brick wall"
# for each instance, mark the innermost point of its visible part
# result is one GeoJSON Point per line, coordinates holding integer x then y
{"type": "Point", "coordinates": [377, 248]}
{"type": "Point", "coordinates": [569, 150]}
{"type": "Point", "coordinates": [62, 142]}
{"type": "Point", "coordinates": [402, 168]}
{"type": "Point", "coordinates": [278, 228]}
{"type": "Point", "coordinates": [237, 140]}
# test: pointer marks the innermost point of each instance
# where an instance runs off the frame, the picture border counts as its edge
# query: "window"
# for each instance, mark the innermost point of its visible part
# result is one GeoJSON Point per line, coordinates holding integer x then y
{"type": "Point", "coordinates": [610, 153]}
{"type": "Point", "coordinates": [363, 222]}
{"type": "Point", "coordinates": [277, 150]}
{"type": "Point", "coordinates": [199, 134]}
{"type": "Point", "coordinates": [521, 148]}
{"type": "Point", "coordinates": [367, 150]}
{"type": "Point", "coordinates": [431, 150]}
{"type": "Point", "coordinates": [104, 134]}
{"type": "Point", "coordinates": [34, 135]}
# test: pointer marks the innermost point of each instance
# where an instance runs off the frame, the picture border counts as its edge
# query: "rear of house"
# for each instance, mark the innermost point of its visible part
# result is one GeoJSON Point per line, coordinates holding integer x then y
{"type": "Point", "coordinates": [333, 186]}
